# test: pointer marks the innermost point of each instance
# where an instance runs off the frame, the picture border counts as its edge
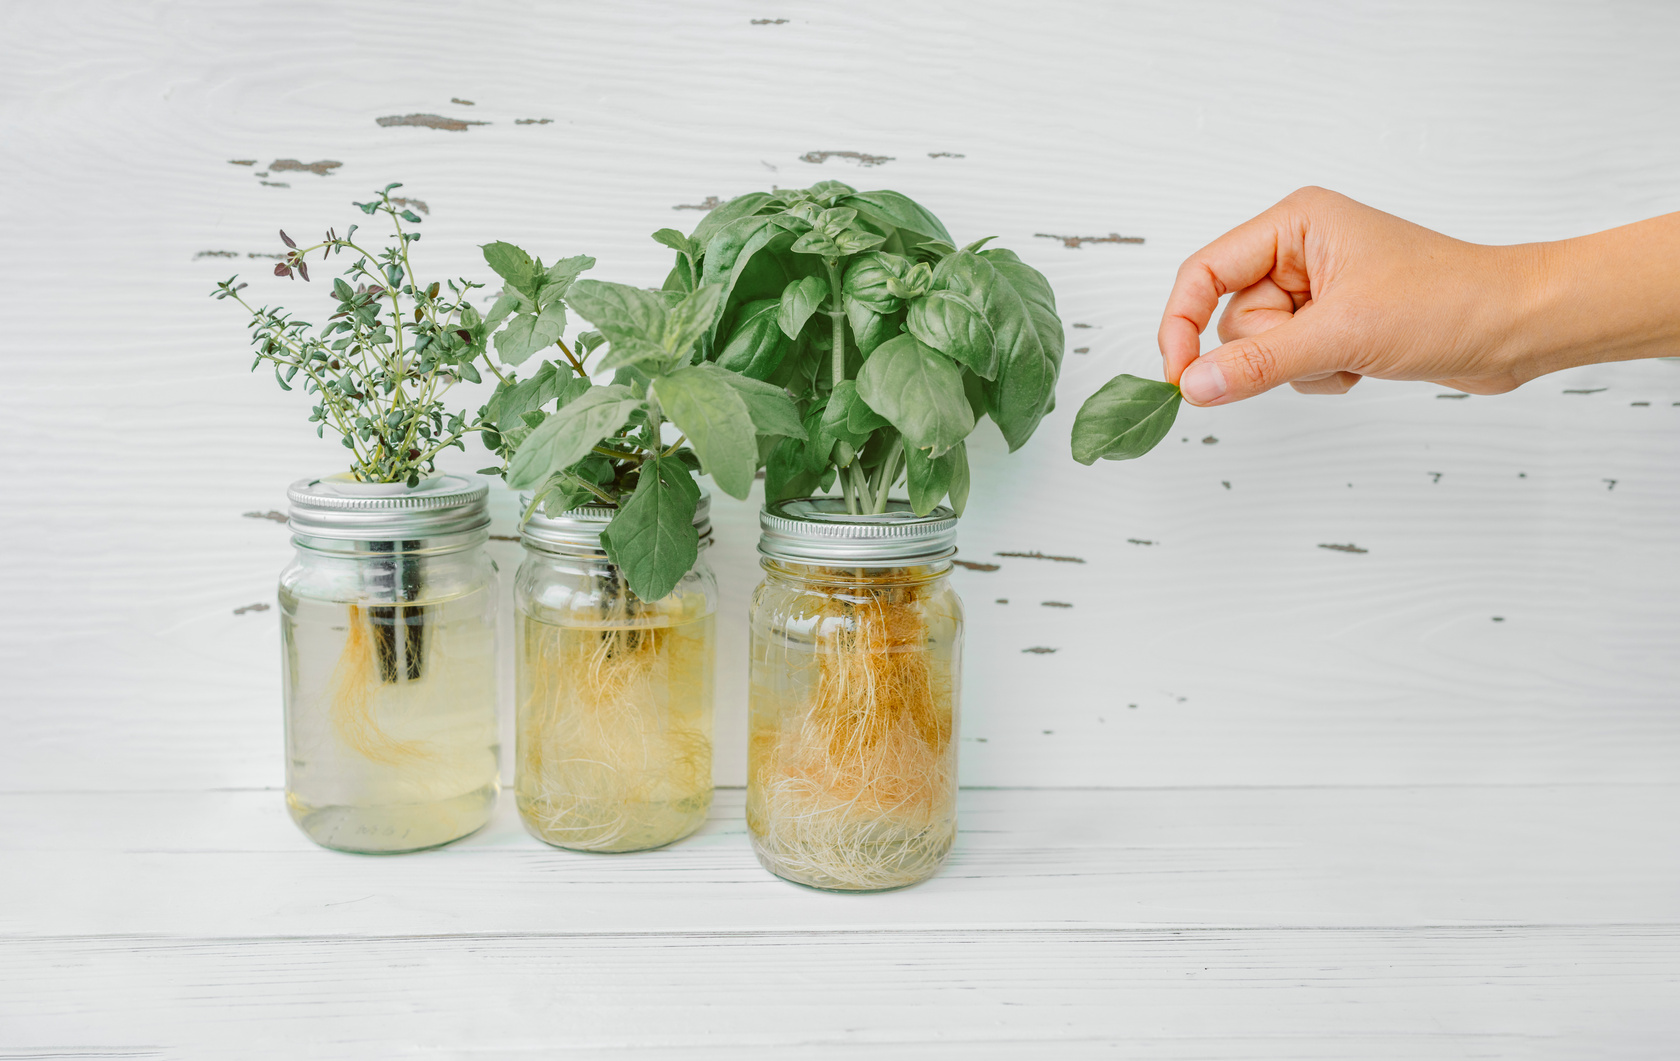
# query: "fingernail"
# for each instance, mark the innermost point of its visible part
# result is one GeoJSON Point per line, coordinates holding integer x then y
{"type": "Point", "coordinates": [1202, 382]}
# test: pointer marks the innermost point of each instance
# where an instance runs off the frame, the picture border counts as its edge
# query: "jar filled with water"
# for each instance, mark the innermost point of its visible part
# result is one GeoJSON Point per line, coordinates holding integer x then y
{"type": "Point", "coordinates": [614, 729]}
{"type": "Point", "coordinates": [388, 627]}
{"type": "Point", "coordinates": [856, 667]}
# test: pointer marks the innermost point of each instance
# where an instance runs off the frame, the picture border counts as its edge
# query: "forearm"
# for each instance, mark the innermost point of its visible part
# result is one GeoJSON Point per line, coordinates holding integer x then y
{"type": "Point", "coordinates": [1610, 296]}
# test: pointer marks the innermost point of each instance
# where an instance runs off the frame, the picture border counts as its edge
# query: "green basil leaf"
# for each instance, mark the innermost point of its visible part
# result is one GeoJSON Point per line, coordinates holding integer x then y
{"type": "Point", "coordinates": [786, 475]}
{"type": "Point", "coordinates": [929, 477]}
{"type": "Point", "coordinates": [723, 216]}
{"type": "Point", "coordinates": [958, 490]}
{"type": "Point", "coordinates": [1023, 376]}
{"type": "Point", "coordinates": [714, 416]}
{"type": "Point", "coordinates": [620, 311]}
{"type": "Point", "coordinates": [816, 242]}
{"type": "Point", "coordinates": [512, 265]}
{"type": "Point", "coordinates": [866, 281]}
{"type": "Point", "coordinates": [955, 324]}
{"type": "Point", "coordinates": [691, 318]}
{"type": "Point", "coordinates": [800, 299]}
{"type": "Point", "coordinates": [757, 346]}
{"type": "Point", "coordinates": [898, 211]}
{"type": "Point", "coordinates": [653, 539]}
{"type": "Point", "coordinates": [732, 249]}
{"type": "Point", "coordinates": [820, 444]}
{"type": "Point", "coordinates": [974, 389]}
{"type": "Point", "coordinates": [860, 418]}
{"type": "Point", "coordinates": [856, 241]}
{"type": "Point", "coordinates": [567, 437]}
{"type": "Point", "coordinates": [1126, 418]}
{"type": "Point", "coordinates": [772, 411]}
{"type": "Point", "coordinates": [919, 392]}
{"type": "Point", "coordinates": [870, 329]}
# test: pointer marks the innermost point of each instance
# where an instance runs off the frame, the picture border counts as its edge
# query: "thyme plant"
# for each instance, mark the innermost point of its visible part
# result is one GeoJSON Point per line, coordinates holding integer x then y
{"type": "Point", "coordinates": [891, 341]}
{"type": "Point", "coordinates": [401, 344]}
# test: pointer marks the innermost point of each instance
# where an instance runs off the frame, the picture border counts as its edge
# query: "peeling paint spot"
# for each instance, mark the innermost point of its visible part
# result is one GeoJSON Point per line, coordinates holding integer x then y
{"type": "Point", "coordinates": [1141, 541]}
{"type": "Point", "coordinates": [418, 204]}
{"type": "Point", "coordinates": [1522, 475]}
{"type": "Point", "coordinates": [1055, 604]}
{"type": "Point", "coordinates": [1049, 732]}
{"type": "Point", "coordinates": [1079, 324]}
{"type": "Point", "coordinates": [1003, 600]}
{"type": "Point", "coordinates": [1612, 483]}
{"type": "Point", "coordinates": [504, 537]}
{"type": "Point", "coordinates": [819, 157]}
{"type": "Point", "coordinates": [1348, 548]}
{"type": "Point", "coordinates": [428, 121]}
{"type": "Point", "coordinates": [710, 202]}
{"type": "Point", "coordinates": [1209, 441]}
{"type": "Point", "coordinates": [1075, 242]}
{"type": "Point", "coordinates": [242, 162]}
{"type": "Point", "coordinates": [1452, 397]}
{"type": "Point", "coordinates": [263, 254]}
{"type": "Point", "coordinates": [260, 606]}
{"type": "Point", "coordinates": [1437, 476]}
{"type": "Point", "coordinates": [1226, 483]}
{"type": "Point", "coordinates": [1590, 390]}
{"type": "Point", "coordinates": [215, 254]}
{"type": "Point", "coordinates": [980, 740]}
{"type": "Point", "coordinates": [322, 168]}
{"type": "Point", "coordinates": [769, 21]}
{"type": "Point", "coordinates": [768, 166]}
{"type": "Point", "coordinates": [1040, 650]}
{"type": "Point", "coordinates": [1036, 555]}
{"type": "Point", "coordinates": [462, 102]}
{"type": "Point", "coordinates": [945, 154]}
{"type": "Point", "coordinates": [271, 515]}
{"type": "Point", "coordinates": [1081, 349]}
{"type": "Point", "coordinates": [1133, 706]}
{"type": "Point", "coordinates": [1499, 618]}
{"type": "Point", "coordinates": [274, 184]}
{"type": "Point", "coordinates": [972, 566]}
{"type": "Point", "coordinates": [533, 121]}
{"type": "Point", "coordinates": [1639, 403]}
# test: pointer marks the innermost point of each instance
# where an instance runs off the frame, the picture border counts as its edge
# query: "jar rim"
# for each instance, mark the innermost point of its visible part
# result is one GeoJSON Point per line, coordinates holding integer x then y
{"type": "Point", "coordinates": [820, 530]}
{"type": "Point", "coordinates": [340, 507]}
{"type": "Point", "coordinates": [577, 531]}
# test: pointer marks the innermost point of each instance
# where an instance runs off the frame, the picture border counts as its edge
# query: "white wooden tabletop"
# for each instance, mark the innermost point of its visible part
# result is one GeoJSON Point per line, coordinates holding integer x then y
{"type": "Point", "coordinates": [1250, 796]}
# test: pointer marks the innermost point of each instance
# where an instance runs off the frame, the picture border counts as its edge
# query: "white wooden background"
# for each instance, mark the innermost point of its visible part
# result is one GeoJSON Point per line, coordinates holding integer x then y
{"type": "Point", "coordinates": [1265, 799]}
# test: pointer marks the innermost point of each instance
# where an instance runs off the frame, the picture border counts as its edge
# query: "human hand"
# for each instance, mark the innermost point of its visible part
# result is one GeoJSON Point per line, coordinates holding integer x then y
{"type": "Point", "coordinates": [1328, 290]}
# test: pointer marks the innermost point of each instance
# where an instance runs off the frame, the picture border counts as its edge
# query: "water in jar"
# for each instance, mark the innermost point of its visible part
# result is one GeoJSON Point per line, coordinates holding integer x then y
{"type": "Point", "coordinates": [852, 749]}
{"type": "Point", "coordinates": [615, 727]}
{"type": "Point", "coordinates": [390, 719]}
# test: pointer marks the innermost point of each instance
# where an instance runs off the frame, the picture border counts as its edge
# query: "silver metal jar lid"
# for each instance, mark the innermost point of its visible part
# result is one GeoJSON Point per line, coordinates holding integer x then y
{"type": "Point", "coordinates": [579, 529]}
{"type": "Point", "coordinates": [341, 508]}
{"type": "Point", "coordinates": [820, 530]}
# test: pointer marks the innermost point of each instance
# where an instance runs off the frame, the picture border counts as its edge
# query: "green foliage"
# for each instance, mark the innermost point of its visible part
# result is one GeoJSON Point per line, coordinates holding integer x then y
{"type": "Point", "coordinates": [604, 443]}
{"type": "Point", "coordinates": [1126, 418]}
{"type": "Point", "coordinates": [890, 341]}
{"type": "Point", "coordinates": [381, 365]}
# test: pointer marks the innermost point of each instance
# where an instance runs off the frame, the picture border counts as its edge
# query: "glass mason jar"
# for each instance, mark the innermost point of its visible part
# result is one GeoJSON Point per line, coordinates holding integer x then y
{"type": "Point", "coordinates": [856, 671]}
{"type": "Point", "coordinates": [388, 627]}
{"type": "Point", "coordinates": [614, 725]}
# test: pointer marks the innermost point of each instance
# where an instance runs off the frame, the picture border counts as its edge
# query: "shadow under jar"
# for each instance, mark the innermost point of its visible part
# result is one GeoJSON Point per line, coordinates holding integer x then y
{"type": "Point", "coordinates": [856, 668]}
{"type": "Point", "coordinates": [614, 727]}
{"type": "Point", "coordinates": [388, 628]}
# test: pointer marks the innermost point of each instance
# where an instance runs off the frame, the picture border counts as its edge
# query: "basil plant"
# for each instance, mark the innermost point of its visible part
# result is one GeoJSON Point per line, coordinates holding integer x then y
{"type": "Point", "coordinates": [572, 442]}
{"type": "Point", "coordinates": [890, 341]}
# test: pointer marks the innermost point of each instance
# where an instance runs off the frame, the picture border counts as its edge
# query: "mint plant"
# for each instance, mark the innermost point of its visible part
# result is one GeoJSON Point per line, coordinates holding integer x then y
{"type": "Point", "coordinates": [571, 441]}
{"type": "Point", "coordinates": [891, 342]}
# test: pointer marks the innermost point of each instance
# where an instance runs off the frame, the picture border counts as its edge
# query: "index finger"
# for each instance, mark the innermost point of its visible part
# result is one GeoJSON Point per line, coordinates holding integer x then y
{"type": "Point", "coordinates": [1241, 257]}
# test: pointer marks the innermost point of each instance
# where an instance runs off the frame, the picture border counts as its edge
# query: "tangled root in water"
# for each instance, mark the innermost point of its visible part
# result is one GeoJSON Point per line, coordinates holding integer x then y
{"type": "Point", "coordinates": [860, 794]}
{"type": "Point", "coordinates": [355, 688]}
{"type": "Point", "coordinates": [615, 748]}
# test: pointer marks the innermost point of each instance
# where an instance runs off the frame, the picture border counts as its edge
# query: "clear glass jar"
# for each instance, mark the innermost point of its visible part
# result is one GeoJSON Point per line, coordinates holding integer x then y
{"type": "Point", "coordinates": [855, 687]}
{"type": "Point", "coordinates": [614, 725]}
{"type": "Point", "coordinates": [388, 630]}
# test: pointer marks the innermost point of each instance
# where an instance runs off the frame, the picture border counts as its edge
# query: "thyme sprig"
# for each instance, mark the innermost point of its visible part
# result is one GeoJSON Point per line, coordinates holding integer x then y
{"type": "Point", "coordinates": [401, 345]}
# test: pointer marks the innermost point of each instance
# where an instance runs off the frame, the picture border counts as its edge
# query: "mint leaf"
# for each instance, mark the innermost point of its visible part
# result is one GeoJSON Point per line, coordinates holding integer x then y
{"type": "Point", "coordinates": [706, 408]}
{"type": "Point", "coordinates": [567, 437]}
{"type": "Point", "coordinates": [620, 311]}
{"type": "Point", "coordinates": [652, 539]}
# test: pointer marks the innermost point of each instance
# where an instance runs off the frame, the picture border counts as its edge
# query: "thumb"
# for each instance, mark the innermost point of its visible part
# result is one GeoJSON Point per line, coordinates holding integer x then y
{"type": "Point", "coordinates": [1296, 349]}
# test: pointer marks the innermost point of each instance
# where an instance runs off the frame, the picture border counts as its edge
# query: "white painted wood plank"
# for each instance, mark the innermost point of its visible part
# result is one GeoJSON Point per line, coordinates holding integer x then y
{"type": "Point", "coordinates": [231, 864]}
{"type": "Point", "coordinates": [1437, 993]}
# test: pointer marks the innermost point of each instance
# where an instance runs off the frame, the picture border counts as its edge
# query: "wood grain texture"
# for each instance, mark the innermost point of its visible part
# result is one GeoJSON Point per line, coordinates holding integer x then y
{"type": "Point", "coordinates": [1415, 801]}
